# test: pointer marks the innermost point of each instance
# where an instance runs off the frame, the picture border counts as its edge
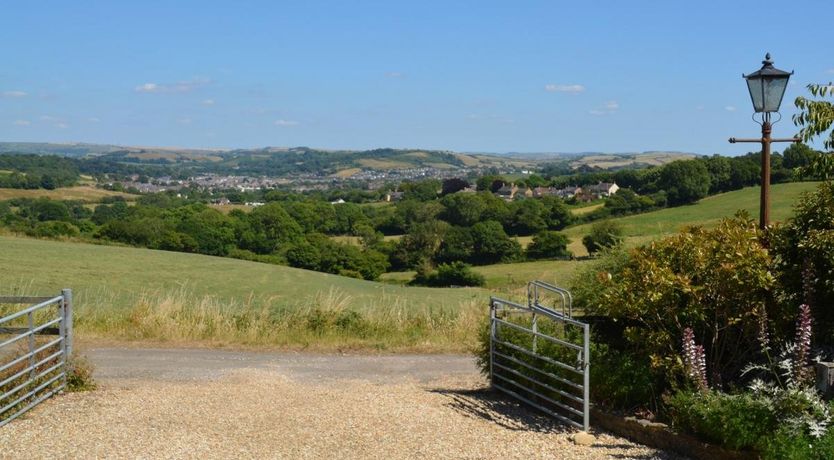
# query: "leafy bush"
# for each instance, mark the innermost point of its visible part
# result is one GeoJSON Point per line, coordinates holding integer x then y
{"type": "Point", "coordinates": [715, 281]}
{"type": "Point", "coordinates": [453, 274]}
{"type": "Point", "coordinates": [548, 245]}
{"type": "Point", "coordinates": [735, 421]}
{"type": "Point", "coordinates": [54, 229]}
{"type": "Point", "coordinates": [749, 421]}
{"type": "Point", "coordinates": [606, 234]}
{"type": "Point", "coordinates": [804, 257]}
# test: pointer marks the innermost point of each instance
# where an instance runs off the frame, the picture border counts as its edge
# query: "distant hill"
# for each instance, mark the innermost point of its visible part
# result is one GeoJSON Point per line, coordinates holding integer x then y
{"type": "Point", "coordinates": [282, 161]}
{"type": "Point", "coordinates": [275, 161]}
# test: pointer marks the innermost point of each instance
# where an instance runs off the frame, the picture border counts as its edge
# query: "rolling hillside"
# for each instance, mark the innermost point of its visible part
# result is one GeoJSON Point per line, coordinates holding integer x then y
{"type": "Point", "coordinates": [130, 293]}
{"type": "Point", "coordinates": [642, 227]}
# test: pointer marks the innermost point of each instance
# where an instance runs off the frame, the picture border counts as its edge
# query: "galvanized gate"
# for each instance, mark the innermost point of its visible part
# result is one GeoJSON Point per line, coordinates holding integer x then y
{"type": "Point", "coordinates": [32, 363]}
{"type": "Point", "coordinates": [540, 355]}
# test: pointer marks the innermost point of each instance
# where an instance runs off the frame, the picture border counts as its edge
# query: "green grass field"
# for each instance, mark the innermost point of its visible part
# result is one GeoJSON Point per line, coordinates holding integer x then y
{"type": "Point", "coordinates": [130, 293]}
{"type": "Point", "coordinates": [640, 228]}
{"type": "Point", "coordinates": [84, 193]}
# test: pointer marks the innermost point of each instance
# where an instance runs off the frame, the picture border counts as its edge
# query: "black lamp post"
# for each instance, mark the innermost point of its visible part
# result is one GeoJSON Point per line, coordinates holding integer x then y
{"type": "Point", "coordinates": [767, 87]}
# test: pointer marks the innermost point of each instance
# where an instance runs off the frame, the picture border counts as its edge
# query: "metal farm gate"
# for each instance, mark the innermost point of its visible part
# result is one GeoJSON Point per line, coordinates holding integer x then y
{"type": "Point", "coordinates": [33, 363]}
{"type": "Point", "coordinates": [540, 355]}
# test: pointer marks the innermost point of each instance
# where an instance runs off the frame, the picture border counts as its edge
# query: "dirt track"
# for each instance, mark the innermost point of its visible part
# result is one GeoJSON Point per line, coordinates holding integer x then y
{"type": "Point", "coordinates": [218, 404]}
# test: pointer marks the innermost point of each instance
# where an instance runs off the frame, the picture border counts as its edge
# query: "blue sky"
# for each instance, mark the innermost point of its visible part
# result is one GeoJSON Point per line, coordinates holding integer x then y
{"type": "Point", "coordinates": [467, 76]}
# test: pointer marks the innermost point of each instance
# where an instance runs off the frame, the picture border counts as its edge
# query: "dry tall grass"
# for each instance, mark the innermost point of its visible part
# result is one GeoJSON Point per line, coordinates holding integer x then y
{"type": "Point", "coordinates": [322, 321]}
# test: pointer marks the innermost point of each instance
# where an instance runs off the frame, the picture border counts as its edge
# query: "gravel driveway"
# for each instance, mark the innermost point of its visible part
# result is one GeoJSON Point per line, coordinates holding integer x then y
{"type": "Point", "coordinates": [219, 404]}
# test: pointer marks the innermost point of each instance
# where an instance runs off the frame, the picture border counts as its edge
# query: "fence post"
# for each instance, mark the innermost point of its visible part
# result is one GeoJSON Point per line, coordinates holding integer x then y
{"type": "Point", "coordinates": [31, 324]}
{"type": "Point", "coordinates": [586, 377]}
{"type": "Point", "coordinates": [67, 295]}
{"type": "Point", "coordinates": [491, 338]}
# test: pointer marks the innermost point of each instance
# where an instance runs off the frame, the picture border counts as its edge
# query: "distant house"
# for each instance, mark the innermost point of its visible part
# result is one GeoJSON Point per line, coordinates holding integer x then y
{"type": "Point", "coordinates": [604, 189]}
{"type": "Point", "coordinates": [393, 196]}
{"type": "Point", "coordinates": [507, 192]}
{"type": "Point", "coordinates": [569, 192]}
{"type": "Point", "coordinates": [470, 189]}
{"type": "Point", "coordinates": [224, 201]}
{"type": "Point", "coordinates": [527, 193]}
{"type": "Point", "coordinates": [339, 201]}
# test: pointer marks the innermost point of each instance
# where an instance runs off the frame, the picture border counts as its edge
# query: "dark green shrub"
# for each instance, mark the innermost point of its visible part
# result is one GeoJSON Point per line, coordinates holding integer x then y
{"type": "Point", "coordinates": [785, 444]}
{"type": "Point", "coordinates": [605, 234]}
{"type": "Point", "coordinates": [453, 274]}
{"type": "Point", "coordinates": [548, 245]}
{"type": "Point", "coordinates": [54, 229]}
{"type": "Point", "coordinates": [735, 421]}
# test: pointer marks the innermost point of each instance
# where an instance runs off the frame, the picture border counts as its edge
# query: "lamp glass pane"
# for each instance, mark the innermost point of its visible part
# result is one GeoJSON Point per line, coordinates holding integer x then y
{"type": "Point", "coordinates": [774, 90]}
{"type": "Point", "coordinates": [756, 93]}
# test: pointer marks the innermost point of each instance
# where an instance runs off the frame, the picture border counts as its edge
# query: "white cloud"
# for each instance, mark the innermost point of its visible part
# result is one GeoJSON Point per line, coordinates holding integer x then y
{"type": "Point", "coordinates": [22, 122]}
{"type": "Point", "coordinates": [208, 102]}
{"type": "Point", "coordinates": [598, 113]}
{"type": "Point", "coordinates": [573, 89]}
{"type": "Point", "coordinates": [94, 119]}
{"type": "Point", "coordinates": [14, 93]}
{"type": "Point", "coordinates": [286, 123]}
{"type": "Point", "coordinates": [184, 121]}
{"type": "Point", "coordinates": [48, 118]}
{"type": "Point", "coordinates": [179, 87]}
{"type": "Point", "coordinates": [395, 75]}
{"type": "Point", "coordinates": [730, 108]}
{"type": "Point", "coordinates": [61, 125]}
{"type": "Point", "coordinates": [699, 107]}
{"type": "Point", "coordinates": [612, 105]}
{"type": "Point", "coordinates": [829, 71]}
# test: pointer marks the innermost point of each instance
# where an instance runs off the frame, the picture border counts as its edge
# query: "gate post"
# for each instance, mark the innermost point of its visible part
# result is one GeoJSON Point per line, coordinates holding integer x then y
{"type": "Point", "coordinates": [67, 301]}
{"type": "Point", "coordinates": [586, 364]}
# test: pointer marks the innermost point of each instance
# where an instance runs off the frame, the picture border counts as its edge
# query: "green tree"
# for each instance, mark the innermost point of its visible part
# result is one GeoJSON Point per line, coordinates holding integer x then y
{"type": "Point", "coordinates": [815, 118]}
{"type": "Point", "coordinates": [798, 156]}
{"type": "Point", "coordinates": [548, 245]}
{"type": "Point", "coordinates": [604, 234]}
{"type": "Point", "coordinates": [527, 217]}
{"type": "Point", "coordinates": [685, 181]}
{"type": "Point", "coordinates": [492, 245]}
{"type": "Point", "coordinates": [462, 208]}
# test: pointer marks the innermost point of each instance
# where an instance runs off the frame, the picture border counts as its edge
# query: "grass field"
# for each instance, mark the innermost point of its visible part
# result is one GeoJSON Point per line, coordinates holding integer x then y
{"type": "Point", "coordinates": [82, 193]}
{"type": "Point", "coordinates": [130, 293]}
{"type": "Point", "coordinates": [640, 228]}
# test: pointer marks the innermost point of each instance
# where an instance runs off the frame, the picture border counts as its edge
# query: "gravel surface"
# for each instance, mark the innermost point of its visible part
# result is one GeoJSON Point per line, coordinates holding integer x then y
{"type": "Point", "coordinates": [269, 410]}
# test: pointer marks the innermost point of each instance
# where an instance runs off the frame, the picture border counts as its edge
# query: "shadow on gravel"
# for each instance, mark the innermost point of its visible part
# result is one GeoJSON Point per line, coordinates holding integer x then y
{"type": "Point", "coordinates": [493, 406]}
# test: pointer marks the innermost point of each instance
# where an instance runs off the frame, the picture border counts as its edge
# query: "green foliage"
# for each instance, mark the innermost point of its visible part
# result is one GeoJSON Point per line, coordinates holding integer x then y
{"type": "Point", "coordinates": [816, 116]}
{"type": "Point", "coordinates": [798, 156]}
{"type": "Point", "coordinates": [54, 229]}
{"type": "Point", "coordinates": [804, 257]}
{"type": "Point", "coordinates": [453, 274]}
{"type": "Point", "coordinates": [715, 281]}
{"type": "Point", "coordinates": [605, 234]}
{"type": "Point", "coordinates": [548, 245]}
{"type": "Point", "coordinates": [36, 171]}
{"type": "Point", "coordinates": [749, 422]}
{"type": "Point", "coordinates": [492, 245]}
{"type": "Point", "coordinates": [736, 421]}
{"type": "Point", "coordinates": [684, 181]}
